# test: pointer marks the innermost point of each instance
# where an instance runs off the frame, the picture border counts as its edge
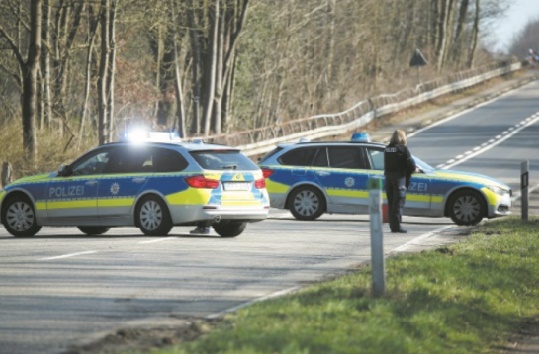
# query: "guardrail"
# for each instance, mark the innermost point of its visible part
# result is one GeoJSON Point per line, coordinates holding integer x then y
{"type": "Point", "coordinates": [262, 140]}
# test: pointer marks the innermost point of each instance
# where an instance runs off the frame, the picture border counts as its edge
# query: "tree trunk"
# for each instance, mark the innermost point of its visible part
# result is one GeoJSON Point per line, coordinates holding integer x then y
{"type": "Point", "coordinates": [475, 34]}
{"type": "Point", "coordinates": [180, 110]}
{"type": "Point", "coordinates": [211, 66]}
{"type": "Point", "coordinates": [90, 40]}
{"type": "Point", "coordinates": [104, 72]}
{"type": "Point", "coordinates": [46, 112]}
{"type": "Point", "coordinates": [29, 71]}
{"type": "Point", "coordinates": [461, 23]}
{"type": "Point", "coordinates": [112, 69]}
{"type": "Point", "coordinates": [197, 64]}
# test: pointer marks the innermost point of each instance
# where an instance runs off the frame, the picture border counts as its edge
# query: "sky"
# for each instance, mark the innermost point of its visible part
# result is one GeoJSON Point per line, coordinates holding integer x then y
{"type": "Point", "coordinates": [516, 17]}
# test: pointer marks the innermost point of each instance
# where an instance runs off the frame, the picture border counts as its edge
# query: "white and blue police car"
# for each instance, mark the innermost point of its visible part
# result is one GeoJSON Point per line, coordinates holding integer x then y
{"type": "Point", "coordinates": [312, 178]}
{"type": "Point", "coordinates": [154, 182]}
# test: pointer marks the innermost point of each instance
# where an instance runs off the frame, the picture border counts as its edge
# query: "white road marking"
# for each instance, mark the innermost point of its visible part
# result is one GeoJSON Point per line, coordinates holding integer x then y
{"type": "Point", "coordinates": [156, 240]}
{"type": "Point", "coordinates": [415, 241]}
{"type": "Point", "coordinates": [478, 150]}
{"type": "Point", "coordinates": [517, 195]}
{"type": "Point", "coordinates": [249, 303]}
{"type": "Point", "coordinates": [67, 255]}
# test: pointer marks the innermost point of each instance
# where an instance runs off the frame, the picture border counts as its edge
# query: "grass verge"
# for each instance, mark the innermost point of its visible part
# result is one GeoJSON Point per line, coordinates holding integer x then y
{"type": "Point", "coordinates": [468, 297]}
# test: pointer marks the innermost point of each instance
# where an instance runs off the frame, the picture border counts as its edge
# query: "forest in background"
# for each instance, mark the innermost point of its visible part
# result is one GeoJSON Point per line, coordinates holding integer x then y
{"type": "Point", "coordinates": [83, 70]}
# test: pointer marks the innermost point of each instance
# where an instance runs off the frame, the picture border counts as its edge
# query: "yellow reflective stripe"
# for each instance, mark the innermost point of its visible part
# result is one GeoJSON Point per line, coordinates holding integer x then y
{"type": "Point", "coordinates": [92, 203]}
{"type": "Point", "coordinates": [41, 205]}
{"type": "Point", "coordinates": [492, 198]}
{"type": "Point", "coordinates": [347, 193]}
{"type": "Point", "coordinates": [213, 175]}
{"type": "Point", "coordinates": [437, 199]}
{"type": "Point", "coordinates": [237, 195]}
{"type": "Point", "coordinates": [240, 202]}
{"type": "Point", "coordinates": [418, 198]}
{"type": "Point", "coordinates": [275, 187]}
{"type": "Point", "coordinates": [115, 202]}
{"type": "Point", "coordinates": [190, 196]}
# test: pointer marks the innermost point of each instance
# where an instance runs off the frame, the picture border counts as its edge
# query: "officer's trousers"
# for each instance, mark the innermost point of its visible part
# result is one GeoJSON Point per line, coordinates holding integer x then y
{"type": "Point", "coordinates": [396, 197]}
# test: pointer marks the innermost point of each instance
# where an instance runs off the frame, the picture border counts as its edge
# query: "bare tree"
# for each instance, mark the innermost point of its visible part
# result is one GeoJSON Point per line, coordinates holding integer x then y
{"type": "Point", "coordinates": [106, 70]}
{"type": "Point", "coordinates": [28, 73]}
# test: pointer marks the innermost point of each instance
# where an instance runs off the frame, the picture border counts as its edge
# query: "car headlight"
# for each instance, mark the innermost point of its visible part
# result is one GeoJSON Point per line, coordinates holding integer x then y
{"type": "Point", "coordinates": [498, 190]}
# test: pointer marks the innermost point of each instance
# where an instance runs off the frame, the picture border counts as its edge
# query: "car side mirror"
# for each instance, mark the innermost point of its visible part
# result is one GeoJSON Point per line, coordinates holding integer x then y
{"type": "Point", "coordinates": [64, 170]}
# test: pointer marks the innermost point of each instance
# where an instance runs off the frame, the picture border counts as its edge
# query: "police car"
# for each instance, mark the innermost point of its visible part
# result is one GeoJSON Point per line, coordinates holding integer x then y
{"type": "Point", "coordinates": [312, 178]}
{"type": "Point", "coordinates": [154, 182]}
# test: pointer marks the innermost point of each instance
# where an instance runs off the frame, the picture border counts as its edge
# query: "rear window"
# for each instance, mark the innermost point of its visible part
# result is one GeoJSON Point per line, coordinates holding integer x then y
{"type": "Point", "coordinates": [299, 157]}
{"type": "Point", "coordinates": [223, 160]}
{"type": "Point", "coordinates": [270, 154]}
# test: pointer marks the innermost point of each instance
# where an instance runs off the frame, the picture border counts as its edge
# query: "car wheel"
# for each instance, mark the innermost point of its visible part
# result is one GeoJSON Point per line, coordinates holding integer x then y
{"type": "Point", "coordinates": [466, 208]}
{"type": "Point", "coordinates": [93, 230]}
{"type": "Point", "coordinates": [229, 229]}
{"type": "Point", "coordinates": [306, 203]}
{"type": "Point", "coordinates": [152, 216]}
{"type": "Point", "coordinates": [19, 217]}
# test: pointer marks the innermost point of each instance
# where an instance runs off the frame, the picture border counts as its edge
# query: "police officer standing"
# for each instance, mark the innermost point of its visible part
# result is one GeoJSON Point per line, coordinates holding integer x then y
{"type": "Point", "coordinates": [398, 168]}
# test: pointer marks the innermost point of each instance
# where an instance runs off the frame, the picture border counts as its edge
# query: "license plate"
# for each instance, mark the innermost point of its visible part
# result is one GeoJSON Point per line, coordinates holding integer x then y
{"type": "Point", "coordinates": [236, 186]}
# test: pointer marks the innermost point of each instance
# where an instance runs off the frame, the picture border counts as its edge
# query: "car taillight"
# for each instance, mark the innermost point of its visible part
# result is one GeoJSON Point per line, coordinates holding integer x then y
{"type": "Point", "coordinates": [260, 183]}
{"type": "Point", "coordinates": [202, 182]}
{"type": "Point", "coordinates": [267, 172]}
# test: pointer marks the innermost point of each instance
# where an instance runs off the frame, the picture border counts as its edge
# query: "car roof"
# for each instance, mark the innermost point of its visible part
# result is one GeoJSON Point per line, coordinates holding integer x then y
{"type": "Point", "coordinates": [187, 145]}
{"type": "Point", "coordinates": [332, 142]}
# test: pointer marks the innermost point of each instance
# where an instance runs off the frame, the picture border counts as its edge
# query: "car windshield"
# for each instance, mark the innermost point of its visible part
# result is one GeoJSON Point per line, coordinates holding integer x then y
{"type": "Point", "coordinates": [223, 160]}
{"type": "Point", "coordinates": [425, 167]}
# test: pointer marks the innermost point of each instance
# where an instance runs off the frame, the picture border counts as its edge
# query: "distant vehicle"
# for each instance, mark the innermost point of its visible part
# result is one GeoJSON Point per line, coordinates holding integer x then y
{"type": "Point", "coordinates": [533, 57]}
{"type": "Point", "coordinates": [312, 178]}
{"type": "Point", "coordinates": [153, 182]}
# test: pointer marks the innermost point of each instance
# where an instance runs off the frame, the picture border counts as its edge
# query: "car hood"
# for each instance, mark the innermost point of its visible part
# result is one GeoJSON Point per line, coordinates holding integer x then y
{"type": "Point", "coordinates": [468, 177]}
{"type": "Point", "coordinates": [34, 178]}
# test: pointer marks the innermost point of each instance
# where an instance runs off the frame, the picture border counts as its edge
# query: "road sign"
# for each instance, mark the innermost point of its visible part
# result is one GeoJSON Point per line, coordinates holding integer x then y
{"type": "Point", "coordinates": [418, 59]}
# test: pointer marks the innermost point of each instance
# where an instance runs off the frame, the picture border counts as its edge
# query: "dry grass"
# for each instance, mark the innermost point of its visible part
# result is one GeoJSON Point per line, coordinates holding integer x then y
{"type": "Point", "coordinates": [53, 149]}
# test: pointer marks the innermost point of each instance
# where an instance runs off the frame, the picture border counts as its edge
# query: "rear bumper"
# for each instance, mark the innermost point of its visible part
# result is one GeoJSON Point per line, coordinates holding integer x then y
{"type": "Point", "coordinates": [182, 215]}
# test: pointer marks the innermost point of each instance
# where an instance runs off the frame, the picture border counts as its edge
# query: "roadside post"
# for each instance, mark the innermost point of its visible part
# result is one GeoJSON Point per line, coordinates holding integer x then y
{"type": "Point", "coordinates": [377, 237]}
{"type": "Point", "coordinates": [524, 177]}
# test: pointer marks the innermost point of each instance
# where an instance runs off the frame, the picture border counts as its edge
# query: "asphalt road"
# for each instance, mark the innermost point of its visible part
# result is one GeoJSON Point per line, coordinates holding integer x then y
{"type": "Point", "coordinates": [61, 288]}
{"type": "Point", "coordinates": [492, 139]}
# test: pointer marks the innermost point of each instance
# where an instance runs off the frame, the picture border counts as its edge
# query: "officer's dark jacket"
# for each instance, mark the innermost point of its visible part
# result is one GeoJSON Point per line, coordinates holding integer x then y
{"type": "Point", "coordinates": [398, 161]}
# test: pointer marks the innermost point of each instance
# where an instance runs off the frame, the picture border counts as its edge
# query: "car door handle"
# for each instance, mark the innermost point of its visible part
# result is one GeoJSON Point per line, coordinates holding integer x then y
{"type": "Point", "coordinates": [92, 182]}
{"type": "Point", "coordinates": [322, 173]}
{"type": "Point", "coordinates": [139, 179]}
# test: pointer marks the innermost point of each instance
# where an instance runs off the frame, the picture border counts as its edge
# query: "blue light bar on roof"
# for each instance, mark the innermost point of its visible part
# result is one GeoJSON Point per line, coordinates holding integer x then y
{"type": "Point", "coordinates": [361, 136]}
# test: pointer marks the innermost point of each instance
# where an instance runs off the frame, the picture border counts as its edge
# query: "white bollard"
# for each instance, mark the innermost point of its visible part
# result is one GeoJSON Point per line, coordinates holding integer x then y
{"type": "Point", "coordinates": [377, 237]}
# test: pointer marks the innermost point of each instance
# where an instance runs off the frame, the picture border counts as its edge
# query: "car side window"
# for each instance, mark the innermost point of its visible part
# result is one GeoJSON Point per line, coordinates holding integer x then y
{"type": "Point", "coordinates": [91, 164]}
{"type": "Point", "coordinates": [347, 157]}
{"type": "Point", "coordinates": [321, 158]}
{"type": "Point", "coordinates": [166, 160]}
{"type": "Point", "coordinates": [376, 157]}
{"type": "Point", "coordinates": [299, 157]}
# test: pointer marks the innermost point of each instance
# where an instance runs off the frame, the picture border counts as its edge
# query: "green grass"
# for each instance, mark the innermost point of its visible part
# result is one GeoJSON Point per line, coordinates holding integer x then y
{"type": "Point", "coordinates": [468, 297]}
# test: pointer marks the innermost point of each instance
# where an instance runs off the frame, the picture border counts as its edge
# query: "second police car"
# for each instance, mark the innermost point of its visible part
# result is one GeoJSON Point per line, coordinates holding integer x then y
{"type": "Point", "coordinates": [153, 185]}
{"type": "Point", "coordinates": [312, 178]}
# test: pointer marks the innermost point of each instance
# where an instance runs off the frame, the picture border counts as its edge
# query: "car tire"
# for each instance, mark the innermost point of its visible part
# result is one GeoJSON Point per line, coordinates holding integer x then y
{"type": "Point", "coordinates": [306, 203]}
{"type": "Point", "coordinates": [152, 216]}
{"type": "Point", "coordinates": [467, 208]}
{"type": "Point", "coordinates": [229, 228]}
{"type": "Point", "coordinates": [93, 230]}
{"type": "Point", "coordinates": [19, 216]}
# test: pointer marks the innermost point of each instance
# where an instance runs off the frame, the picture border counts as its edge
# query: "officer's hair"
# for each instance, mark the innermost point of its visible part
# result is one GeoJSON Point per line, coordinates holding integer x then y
{"type": "Point", "coordinates": [398, 137]}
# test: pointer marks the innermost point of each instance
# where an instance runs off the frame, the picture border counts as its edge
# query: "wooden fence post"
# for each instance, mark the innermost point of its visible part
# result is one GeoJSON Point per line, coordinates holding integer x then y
{"type": "Point", "coordinates": [6, 174]}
